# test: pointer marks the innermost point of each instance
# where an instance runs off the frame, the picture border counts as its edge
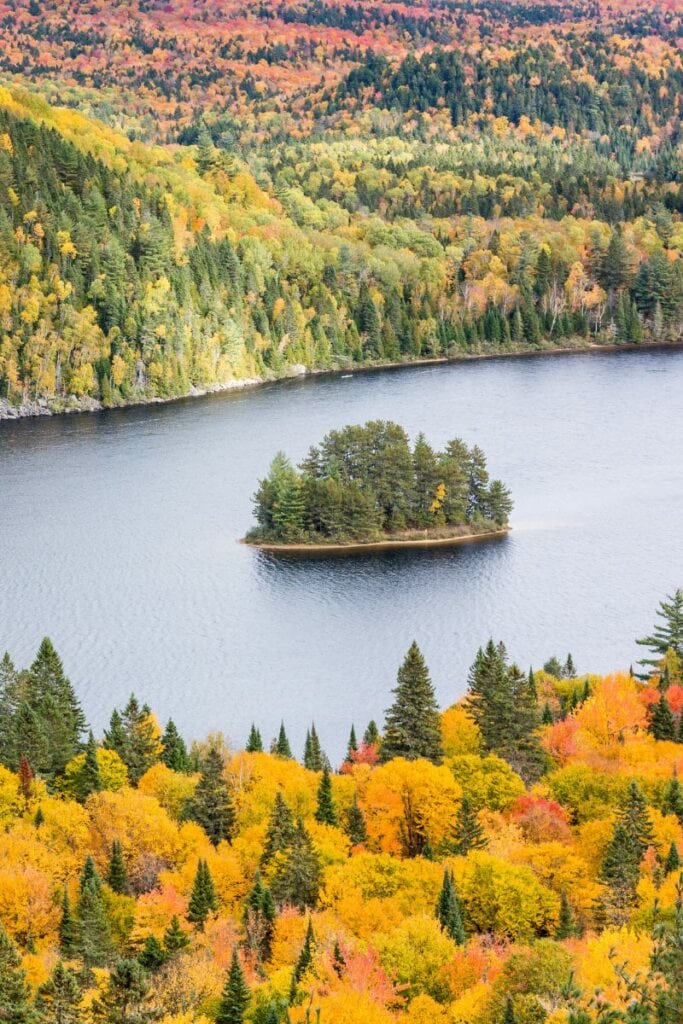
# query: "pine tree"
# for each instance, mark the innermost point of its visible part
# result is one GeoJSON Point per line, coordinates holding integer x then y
{"type": "Point", "coordinates": [280, 832]}
{"type": "Point", "coordinates": [117, 876]}
{"type": "Point", "coordinates": [566, 925]}
{"type": "Point", "coordinates": [254, 743]}
{"type": "Point", "coordinates": [672, 801]}
{"type": "Point", "coordinates": [175, 939]}
{"type": "Point", "coordinates": [620, 869]}
{"type": "Point", "coordinates": [313, 755]}
{"type": "Point", "coordinates": [569, 671]}
{"type": "Point", "coordinates": [259, 920]}
{"type": "Point", "coordinates": [173, 749]}
{"type": "Point", "coordinates": [89, 777]}
{"type": "Point", "coordinates": [152, 956]}
{"type": "Point", "coordinates": [212, 806]}
{"type": "Point", "coordinates": [235, 998]}
{"type": "Point", "coordinates": [413, 728]}
{"type": "Point", "coordinates": [468, 833]}
{"type": "Point", "coordinates": [203, 899]}
{"type": "Point", "coordinates": [662, 723]}
{"type": "Point", "coordinates": [141, 747]}
{"type": "Point", "coordinates": [94, 934]}
{"type": "Point", "coordinates": [15, 1001]}
{"type": "Point", "coordinates": [115, 736]}
{"type": "Point", "coordinates": [58, 999]}
{"type": "Point", "coordinates": [298, 875]}
{"type": "Point", "coordinates": [281, 747]}
{"type": "Point", "coordinates": [509, 1015]}
{"type": "Point", "coordinates": [449, 911]}
{"type": "Point", "coordinates": [68, 929]}
{"type": "Point", "coordinates": [54, 701]}
{"type": "Point", "coordinates": [673, 860]}
{"type": "Point", "coordinates": [352, 745]}
{"type": "Point", "coordinates": [304, 960]}
{"type": "Point", "coordinates": [356, 829]}
{"type": "Point", "coordinates": [128, 997]}
{"type": "Point", "coordinates": [371, 735]}
{"type": "Point", "coordinates": [667, 635]}
{"type": "Point", "coordinates": [547, 715]}
{"type": "Point", "coordinates": [326, 812]}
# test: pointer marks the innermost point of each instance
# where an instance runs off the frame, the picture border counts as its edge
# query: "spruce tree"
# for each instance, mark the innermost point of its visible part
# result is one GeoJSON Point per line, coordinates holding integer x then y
{"type": "Point", "coordinates": [547, 715]}
{"type": "Point", "coordinates": [298, 875]}
{"type": "Point", "coordinates": [235, 998]}
{"type": "Point", "coordinates": [281, 747]}
{"type": "Point", "coordinates": [173, 749]}
{"type": "Point", "coordinates": [94, 933]}
{"type": "Point", "coordinates": [68, 929]}
{"type": "Point", "coordinates": [128, 997]}
{"type": "Point", "coordinates": [58, 999]}
{"type": "Point", "coordinates": [115, 735]}
{"type": "Point", "coordinates": [566, 925]}
{"type": "Point", "coordinates": [141, 746]}
{"type": "Point", "coordinates": [449, 911]}
{"type": "Point", "coordinates": [355, 826]}
{"type": "Point", "coordinates": [203, 899]}
{"type": "Point", "coordinates": [212, 806]}
{"type": "Point", "coordinates": [326, 812]}
{"type": "Point", "coordinates": [152, 956]}
{"type": "Point", "coordinates": [54, 701]}
{"type": "Point", "coordinates": [175, 939]}
{"type": "Point", "coordinates": [304, 960]}
{"type": "Point", "coordinates": [89, 780]}
{"type": "Point", "coordinates": [468, 833]}
{"type": "Point", "coordinates": [371, 735]}
{"type": "Point", "coordinates": [254, 743]}
{"type": "Point", "coordinates": [673, 860]}
{"type": "Point", "coordinates": [509, 1015]}
{"type": "Point", "coordinates": [672, 802]}
{"type": "Point", "coordinates": [620, 869]}
{"type": "Point", "coordinates": [662, 724]}
{"type": "Point", "coordinates": [352, 745]}
{"type": "Point", "coordinates": [667, 634]}
{"type": "Point", "coordinates": [117, 875]}
{"type": "Point", "coordinates": [15, 1000]}
{"type": "Point", "coordinates": [413, 727]}
{"type": "Point", "coordinates": [259, 920]}
{"type": "Point", "coordinates": [280, 832]}
{"type": "Point", "coordinates": [314, 759]}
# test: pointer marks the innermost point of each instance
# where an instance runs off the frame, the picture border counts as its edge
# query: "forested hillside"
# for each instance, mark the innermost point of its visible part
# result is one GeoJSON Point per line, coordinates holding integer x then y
{"type": "Point", "coordinates": [252, 190]}
{"type": "Point", "coordinates": [514, 859]}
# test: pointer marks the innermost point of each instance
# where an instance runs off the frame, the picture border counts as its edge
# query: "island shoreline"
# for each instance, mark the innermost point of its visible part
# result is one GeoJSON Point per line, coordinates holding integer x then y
{"type": "Point", "coordinates": [374, 547]}
{"type": "Point", "coordinates": [37, 408]}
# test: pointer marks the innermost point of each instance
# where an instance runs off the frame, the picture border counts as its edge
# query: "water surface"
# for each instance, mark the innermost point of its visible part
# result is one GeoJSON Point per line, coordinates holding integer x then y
{"type": "Point", "coordinates": [118, 538]}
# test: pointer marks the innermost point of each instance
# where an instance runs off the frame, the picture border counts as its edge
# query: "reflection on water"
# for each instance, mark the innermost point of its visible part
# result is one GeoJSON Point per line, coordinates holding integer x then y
{"type": "Point", "coordinates": [119, 535]}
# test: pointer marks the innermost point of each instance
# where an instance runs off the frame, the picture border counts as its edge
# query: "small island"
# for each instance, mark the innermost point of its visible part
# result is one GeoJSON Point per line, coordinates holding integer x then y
{"type": "Point", "coordinates": [365, 488]}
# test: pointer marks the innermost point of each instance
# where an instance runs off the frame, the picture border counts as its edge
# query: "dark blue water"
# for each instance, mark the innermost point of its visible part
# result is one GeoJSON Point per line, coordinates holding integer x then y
{"type": "Point", "coordinates": [118, 537]}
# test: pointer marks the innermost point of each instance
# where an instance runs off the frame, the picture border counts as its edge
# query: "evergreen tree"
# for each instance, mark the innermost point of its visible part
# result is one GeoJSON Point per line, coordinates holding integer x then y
{"type": "Point", "coordinates": [662, 723]}
{"type": "Point", "coordinates": [89, 777]}
{"type": "Point", "coordinates": [672, 802]}
{"type": "Point", "coordinates": [371, 735]}
{"type": "Point", "coordinates": [94, 933]}
{"type": "Point", "coordinates": [203, 899]}
{"type": "Point", "coordinates": [259, 920]}
{"type": "Point", "coordinates": [281, 747]}
{"type": "Point", "coordinates": [468, 833]}
{"type": "Point", "coordinates": [68, 929]}
{"type": "Point", "coordinates": [254, 743]}
{"type": "Point", "coordinates": [352, 745]}
{"type": "Point", "coordinates": [667, 635]}
{"type": "Point", "coordinates": [173, 749]}
{"type": "Point", "coordinates": [304, 960]}
{"type": "Point", "coordinates": [298, 875]}
{"type": "Point", "coordinates": [569, 671]}
{"type": "Point", "coordinates": [449, 911]}
{"type": "Point", "coordinates": [547, 715]}
{"type": "Point", "coordinates": [620, 869]}
{"type": "Point", "coordinates": [115, 736]}
{"type": "Point", "coordinates": [326, 812]}
{"type": "Point", "coordinates": [566, 926]}
{"type": "Point", "coordinates": [117, 876]}
{"type": "Point", "coordinates": [58, 999]}
{"type": "Point", "coordinates": [128, 997]}
{"type": "Point", "coordinates": [313, 755]}
{"type": "Point", "coordinates": [175, 939]}
{"type": "Point", "coordinates": [152, 956]}
{"type": "Point", "coordinates": [141, 746]}
{"type": "Point", "coordinates": [673, 860]}
{"type": "Point", "coordinates": [356, 829]}
{"type": "Point", "coordinates": [509, 1015]}
{"type": "Point", "coordinates": [15, 1001]}
{"type": "Point", "coordinates": [212, 806]}
{"type": "Point", "coordinates": [54, 702]}
{"type": "Point", "coordinates": [338, 960]}
{"type": "Point", "coordinates": [235, 998]}
{"type": "Point", "coordinates": [280, 832]}
{"type": "Point", "coordinates": [413, 728]}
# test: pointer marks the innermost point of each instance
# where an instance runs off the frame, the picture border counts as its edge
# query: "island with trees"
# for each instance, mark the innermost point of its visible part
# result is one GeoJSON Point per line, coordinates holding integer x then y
{"type": "Point", "coordinates": [366, 487]}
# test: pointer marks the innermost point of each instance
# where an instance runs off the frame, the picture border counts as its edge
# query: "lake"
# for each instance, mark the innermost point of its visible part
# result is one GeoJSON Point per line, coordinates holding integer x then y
{"type": "Point", "coordinates": [119, 538]}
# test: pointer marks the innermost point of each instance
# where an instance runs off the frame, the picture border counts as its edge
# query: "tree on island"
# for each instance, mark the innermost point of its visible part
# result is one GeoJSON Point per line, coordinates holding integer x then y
{"type": "Point", "coordinates": [413, 726]}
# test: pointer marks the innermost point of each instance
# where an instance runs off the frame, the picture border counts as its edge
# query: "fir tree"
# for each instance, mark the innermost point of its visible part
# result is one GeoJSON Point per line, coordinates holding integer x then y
{"type": "Point", "coordinates": [15, 1001]}
{"type": "Point", "coordinates": [117, 876]}
{"type": "Point", "coordinates": [326, 812]}
{"type": "Point", "coordinates": [673, 860]}
{"type": "Point", "coordinates": [54, 701]}
{"type": "Point", "coordinates": [141, 746]}
{"type": "Point", "coordinates": [413, 728]}
{"type": "Point", "coordinates": [235, 998]}
{"type": "Point", "coordinates": [175, 939]}
{"type": "Point", "coordinates": [314, 759]}
{"type": "Point", "coordinates": [662, 724]}
{"type": "Point", "coordinates": [68, 929]}
{"type": "Point", "coordinates": [254, 743]}
{"type": "Point", "coordinates": [280, 832]}
{"type": "Point", "coordinates": [211, 805]}
{"type": "Point", "coordinates": [449, 911]}
{"type": "Point", "coordinates": [509, 1015]}
{"type": "Point", "coordinates": [128, 997]}
{"type": "Point", "coordinates": [281, 747]}
{"type": "Point", "coordinates": [566, 925]}
{"type": "Point", "coordinates": [547, 715]}
{"type": "Point", "coordinates": [468, 833]}
{"type": "Point", "coordinates": [371, 734]}
{"type": "Point", "coordinates": [259, 920]}
{"type": "Point", "coordinates": [173, 749]}
{"type": "Point", "coordinates": [620, 869]}
{"type": "Point", "coordinates": [569, 671]}
{"type": "Point", "coordinates": [298, 875]}
{"type": "Point", "coordinates": [203, 900]}
{"type": "Point", "coordinates": [352, 745]}
{"type": "Point", "coordinates": [667, 635]}
{"type": "Point", "coordinates": [338, 960]}
{"type": "Point", "coordinates": [355, 827]}
{"type": "Point", "coordinates": [58, 999]}
{"type": "Point", "coordinates": [672, 802]}
{"type": "Point", "coordinates": [304, 960]}
{"type": "Point", "coordinates": [89, 780]}
{"type": "Point", "coordinates": [94, 934]}
{"type": "Point", "coordinates": [152, 956]}
{"type": "Point", "coordinates": [115, 736]}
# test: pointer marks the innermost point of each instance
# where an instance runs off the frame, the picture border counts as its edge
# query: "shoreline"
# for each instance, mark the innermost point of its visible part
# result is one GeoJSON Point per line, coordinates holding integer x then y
{"type": "Point", "coordinates": [374, 547]}
{"type": "Point", "coordinates": [37, 408]}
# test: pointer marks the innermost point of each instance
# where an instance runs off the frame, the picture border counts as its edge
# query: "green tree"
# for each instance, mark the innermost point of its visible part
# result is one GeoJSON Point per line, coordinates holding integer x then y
{"type": "Point", "coordinates": [259, 920]}
{"type": "Point", "coordinates": [304, 961]}
{"type": "Point", "coordinates": [667, 634]}
{"type": "Point", "coordinates": [280, 832]}
{"type": "Point", "coordinates": [620, 870]}
{"type": "Point", "coordinates": [298, 875]}
{"type": "Point", "coordinates": [672, 801]}
{"type": "Point", "coordinates": [175, 939]}
{"type": "Point", "coordinates": [117, 876]}
{"type": "Point", "coordinates": [254, 743]}
{"type": "Point", "coordinates": [468, 833]}
{"type": "Point", "coordinates": [203, 899]}
{"type": "Point", "coordinates": [662, 723]}
{"type": "Point", "coordinates": [58, 999]}
{"type": "Point", "coordinates": [152, 956]}
{"type": "Point", "coordinates": [94, 932]}
{"type": "Point", "coordinates": [15, 1001]}
{"type": "Point", "coordinates": [281, 747]}
{"type": "Point", "coordinates": [355, 826]}
{"type": "Point", "coordinates": [326, 812]}
{"type": "Point", "coordinates": [235, 998]}
{"type": "Point", "coordinates": [128, 997]}
{"type": "Point", "coordinates": [566, 925]}
{"type": "Point", "coordinates": [509, 1015]}
{"type": "Point", "coordinates": [449, 911]}
{"type": "Point", "coordinates": [673, 860]}
{"type": "Point", "coordinates": [89, 780]}
{"type": "Point", "coordinates": [314, 759]}
{"type": "Point", "coordinates": [413, 725]}
{"type": "Point", "coordinates": [211, 805]}
{"type": "Point", "coordinates": [173, 749]}
{"type": "Point", "coordinates": [68, 929]}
